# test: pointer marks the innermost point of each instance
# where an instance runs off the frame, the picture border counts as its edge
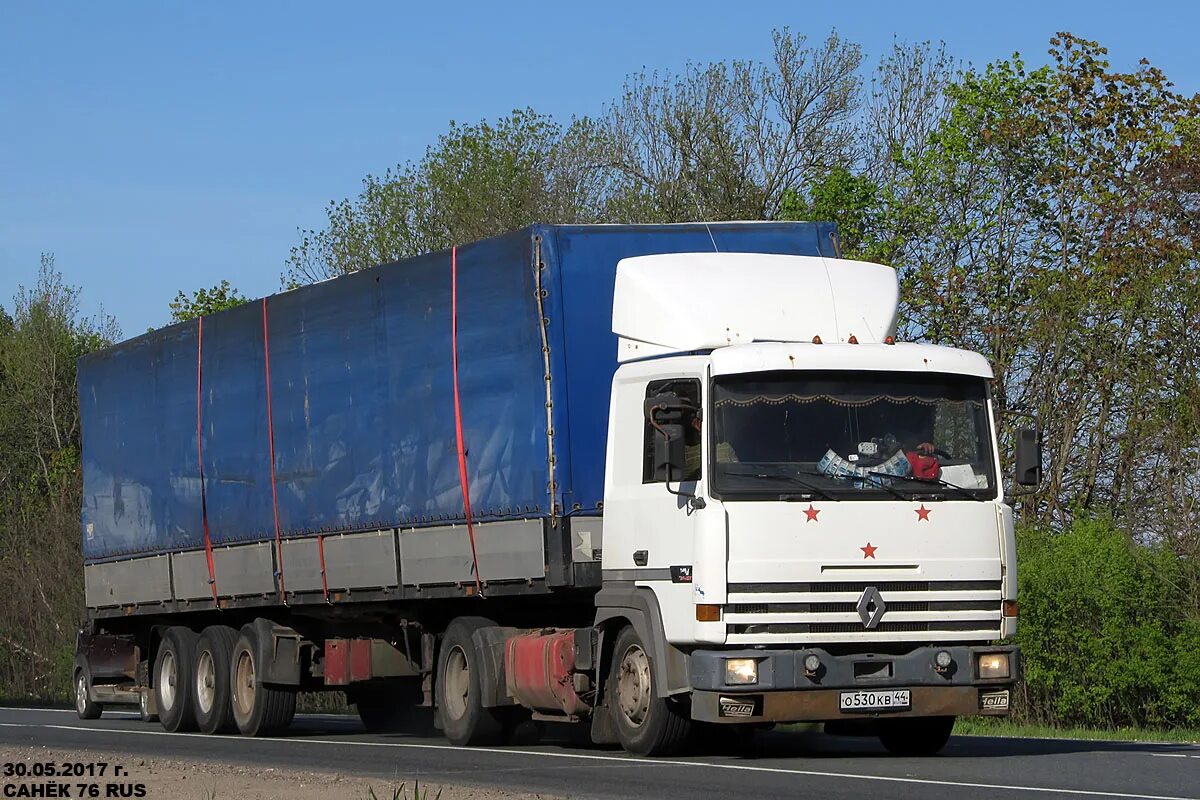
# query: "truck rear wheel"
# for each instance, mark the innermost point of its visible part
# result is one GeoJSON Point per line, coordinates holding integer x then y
{"type": "Point", "coordinates": [174, 667]}
{"type": "Point", "coordinates": [646, 724]}
{"type": "Point", "coordinates": [85, 707]}
{"type": "Point", "coordinates": [258, 709]}
{"type": "Point", "coordinates": [915, 736]}
{"type": "Point", "coordinates": [214, 653]}
{"type": "Point", "coordinates": [464, 719]}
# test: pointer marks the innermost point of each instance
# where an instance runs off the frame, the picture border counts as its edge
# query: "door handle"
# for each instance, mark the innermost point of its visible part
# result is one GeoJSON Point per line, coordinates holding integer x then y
{"type": "Point", "coordinates": [640, 557]}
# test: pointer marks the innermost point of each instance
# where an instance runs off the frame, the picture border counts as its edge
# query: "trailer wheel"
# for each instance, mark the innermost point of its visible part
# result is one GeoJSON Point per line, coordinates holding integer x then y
{"type": "Point", "coordinates": [258, 709]}
{"type": "Point", "coordinates": [214, 653]}
{"type": "Point", "coordinates": [174, 667]}
{"type": "Point", "coordinates": [85, 707]}
{"type": "Point", "coordinates": [646, 724]}
{"type": "Point", "coordinates": [464, 719]}
{"type": "Point", "coordinates": [915, 736]}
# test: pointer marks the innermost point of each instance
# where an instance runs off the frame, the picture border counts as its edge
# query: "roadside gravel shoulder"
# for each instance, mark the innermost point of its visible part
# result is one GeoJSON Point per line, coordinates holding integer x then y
{"type": "Point", "coordinates": [210, 780]}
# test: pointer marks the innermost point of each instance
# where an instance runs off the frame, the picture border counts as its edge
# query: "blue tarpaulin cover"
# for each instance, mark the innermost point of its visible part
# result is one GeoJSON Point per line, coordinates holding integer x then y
{"type": "Point", "coordinates": [361, 394]}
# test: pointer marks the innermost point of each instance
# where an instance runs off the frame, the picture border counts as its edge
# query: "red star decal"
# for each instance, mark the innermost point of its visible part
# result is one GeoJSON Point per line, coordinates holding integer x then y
{"type": "Point", "coordinates": [869, 550]}
{"type": "Point", "coordinates": [811, 513]}
{"type": "Point", "coordinates": [922, 513]}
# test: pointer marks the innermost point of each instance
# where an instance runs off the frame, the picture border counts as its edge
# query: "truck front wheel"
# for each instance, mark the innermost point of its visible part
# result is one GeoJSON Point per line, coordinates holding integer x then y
{"type": "Point", "coordinates": [915, 736]}
{"type": "Point", "coordinates": [646, 724]}
{"type": "Point", "coordinates": [174, 667]}
{"type": "Point", "coordinates": [258, 709]}
{"type": "Point", "coordinates": [464, 719]}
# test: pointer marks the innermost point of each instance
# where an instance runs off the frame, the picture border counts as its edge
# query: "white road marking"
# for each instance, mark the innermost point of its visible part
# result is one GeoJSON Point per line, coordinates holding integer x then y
{"type": "Point", "coordinates": [658, 762]}
{"type": "Point", "coordinates": [107, 713]}
{"type": "Point", "coordinates": [1173, 755]}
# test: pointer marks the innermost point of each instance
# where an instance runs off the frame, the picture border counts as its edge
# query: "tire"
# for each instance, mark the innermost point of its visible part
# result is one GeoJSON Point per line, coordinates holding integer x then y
{"type": "Point", "coordinates": [211, 687]}
{"type": "Point", "coordinates": [174, 669]}
{"type": "Point", "coordinates": [258, 709]}
{"type": "Point", "coordinates": [144, 706]}
{"type": "Point", "coordinates": [392, 707]}
{"type": "Point", "coordinates": [646, 724]}
{"type": "Point", "coordinates": [85, 707]}
{"type": "Point", "coordinates": [464, 720]}
{"type": "Point", "coordinates": [915, 736]}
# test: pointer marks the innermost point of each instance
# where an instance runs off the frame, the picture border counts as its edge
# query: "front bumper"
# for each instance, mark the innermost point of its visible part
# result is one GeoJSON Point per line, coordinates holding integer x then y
{"type": "Point", "coordinates": [786, 692]}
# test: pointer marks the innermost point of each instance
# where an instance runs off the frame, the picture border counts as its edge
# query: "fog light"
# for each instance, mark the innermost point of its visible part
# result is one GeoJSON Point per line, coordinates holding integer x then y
{"type": "Point", "coordinates": [812, 664]}
{"type": "Point", "coordinates": [993, 665]}
{"type": "Point", "coordinates": [942, 659]}
{"type": "Point", "coordinates": [741, 671]}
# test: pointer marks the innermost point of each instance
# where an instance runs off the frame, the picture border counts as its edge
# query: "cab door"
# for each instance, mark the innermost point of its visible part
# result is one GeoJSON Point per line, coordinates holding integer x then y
{"type": "Point", "coordinates": [649, 523]}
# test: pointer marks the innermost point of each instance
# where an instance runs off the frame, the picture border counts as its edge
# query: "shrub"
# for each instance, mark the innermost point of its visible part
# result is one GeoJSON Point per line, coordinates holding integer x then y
{"type": "Point", "coordinates": [1109, 635]}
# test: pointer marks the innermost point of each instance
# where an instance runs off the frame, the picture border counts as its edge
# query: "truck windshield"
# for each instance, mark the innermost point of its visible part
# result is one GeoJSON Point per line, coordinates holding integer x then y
{"type": "Point", "coordinates": [851, 434]}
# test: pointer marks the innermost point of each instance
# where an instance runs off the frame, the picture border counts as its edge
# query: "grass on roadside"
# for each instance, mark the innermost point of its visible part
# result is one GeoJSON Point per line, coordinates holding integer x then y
{"type": "Point", "coordinates": [986, 726]}
{"type": "Point", "coordinates": [399, 793]}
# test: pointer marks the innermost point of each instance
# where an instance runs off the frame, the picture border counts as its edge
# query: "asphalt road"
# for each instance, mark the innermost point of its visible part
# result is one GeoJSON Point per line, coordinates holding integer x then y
{"type": "Point", "coordinates": [779, 765]}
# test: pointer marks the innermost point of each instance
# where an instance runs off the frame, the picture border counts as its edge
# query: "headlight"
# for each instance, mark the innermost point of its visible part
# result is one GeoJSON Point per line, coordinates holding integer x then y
{"type": "Point", "coordinates": [741, 671]}
{"type": "Point", "coordinates": [993, 665]}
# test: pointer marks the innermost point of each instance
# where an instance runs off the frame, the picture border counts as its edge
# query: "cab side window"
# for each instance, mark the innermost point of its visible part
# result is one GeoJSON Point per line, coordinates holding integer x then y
{"type": "Point", "coordinates": [683, 387]}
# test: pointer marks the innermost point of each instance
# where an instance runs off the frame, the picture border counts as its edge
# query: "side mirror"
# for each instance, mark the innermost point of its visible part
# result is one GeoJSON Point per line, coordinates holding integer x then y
{"type": "Point", "coordinates": [668, 453]}
{"type": "Point", "coordinates": [1029, 457]}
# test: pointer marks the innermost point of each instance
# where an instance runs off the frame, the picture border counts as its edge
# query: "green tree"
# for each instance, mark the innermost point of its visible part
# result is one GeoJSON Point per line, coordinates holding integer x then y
{"type": "Point", "coordinates": [478, 180]}
{"type": "Point", "coordinates": [39, 411]}
{"type": "Point", "coordinates": [851, 200]}
{"type": "Point", "coordinates": [203, 302]}
{"type": "Point", "coordinates": [40, 481]}
{"type": "Point", "coordinates": [1045, 228]}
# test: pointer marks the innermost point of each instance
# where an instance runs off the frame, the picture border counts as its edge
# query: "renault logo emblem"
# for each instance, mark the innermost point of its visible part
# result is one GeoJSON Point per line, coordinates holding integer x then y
{"type": "Point", "coordinates": [870, 608]}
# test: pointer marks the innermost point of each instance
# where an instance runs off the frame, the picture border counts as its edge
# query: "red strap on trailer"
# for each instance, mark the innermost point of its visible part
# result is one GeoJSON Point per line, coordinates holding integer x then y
{"type": "Point", "coordinates": [271, 447]}
{"type": "Point", "coordinates": [212, 575]}
{"type": "Point", "coordinates": [458, 426]}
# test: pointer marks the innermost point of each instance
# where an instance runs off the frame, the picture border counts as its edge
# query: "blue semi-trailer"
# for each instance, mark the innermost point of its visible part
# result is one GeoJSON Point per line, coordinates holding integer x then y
{"type": "Point", "coordinates": [408, 484]}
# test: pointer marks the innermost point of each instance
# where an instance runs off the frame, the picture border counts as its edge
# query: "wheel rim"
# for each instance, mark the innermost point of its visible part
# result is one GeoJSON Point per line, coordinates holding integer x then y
{"type": "Point", "coordinates": [206, 681]}
{"type": "Point", "coordinates": [81, 693]}
{"type": "Point", "coordinates": [633, 685]}
{"type": "Point", "coordinates": [167, 675]}
{"type": "Point", "coordinates": [458, 683]}
{"type": "Point", "coordinates": [243, 684]}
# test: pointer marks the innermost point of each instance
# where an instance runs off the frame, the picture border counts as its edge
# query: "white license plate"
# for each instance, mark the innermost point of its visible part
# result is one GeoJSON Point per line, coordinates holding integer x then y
{"type": "Point", "coordinates": [891, 700]}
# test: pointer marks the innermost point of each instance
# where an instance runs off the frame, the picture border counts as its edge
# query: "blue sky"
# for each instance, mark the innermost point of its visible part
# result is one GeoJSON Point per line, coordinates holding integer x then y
{"type": "Point", "coordinates": [163, 146]}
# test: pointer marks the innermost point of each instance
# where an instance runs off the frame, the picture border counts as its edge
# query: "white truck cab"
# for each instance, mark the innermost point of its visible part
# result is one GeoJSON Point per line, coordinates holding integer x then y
{"type": "Point", "coordinates": [815, 512]}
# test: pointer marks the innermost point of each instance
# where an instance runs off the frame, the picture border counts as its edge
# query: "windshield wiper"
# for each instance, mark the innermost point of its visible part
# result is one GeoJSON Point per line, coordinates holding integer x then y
{"type": "Point", "coordinates": [969, 493]}
{"type": "Point", "coordinates": [783, 476]}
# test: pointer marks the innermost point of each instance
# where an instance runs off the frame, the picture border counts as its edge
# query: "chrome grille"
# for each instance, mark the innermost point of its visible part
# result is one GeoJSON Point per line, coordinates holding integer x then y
{"type": "Point", "coordinates": [836, 610]}
{"type": "Point", "coordinates": [860, 586]}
